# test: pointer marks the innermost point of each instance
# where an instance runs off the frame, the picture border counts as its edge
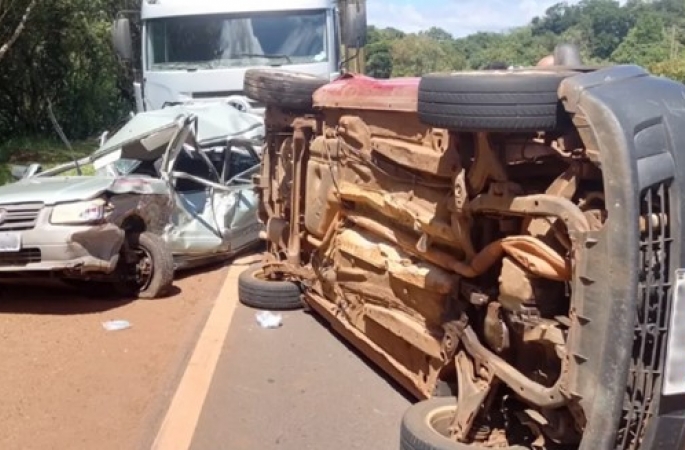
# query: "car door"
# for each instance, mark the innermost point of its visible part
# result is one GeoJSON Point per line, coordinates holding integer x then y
{"type": "Point", "coordinates": [215, 211]}
{"type": "Point", "coordinates": [237, 205]}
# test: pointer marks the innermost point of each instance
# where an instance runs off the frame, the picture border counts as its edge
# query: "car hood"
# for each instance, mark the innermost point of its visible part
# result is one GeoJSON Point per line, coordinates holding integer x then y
{"type": "Point", "coordinates": [51, 190]}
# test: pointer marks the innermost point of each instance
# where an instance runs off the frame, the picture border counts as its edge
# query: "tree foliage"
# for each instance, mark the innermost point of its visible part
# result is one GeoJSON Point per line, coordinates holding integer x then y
{"type": "Point", "coordinates": [650, 33]}
{"type": "Point", "coordinates": [63, 56]}
{"type": "Point", "coordinates": [59, 51]}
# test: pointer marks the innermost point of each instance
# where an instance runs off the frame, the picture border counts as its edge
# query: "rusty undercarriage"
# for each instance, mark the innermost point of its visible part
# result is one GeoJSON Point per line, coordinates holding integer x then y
{"type": "Point", "coordinates": [456, 260]}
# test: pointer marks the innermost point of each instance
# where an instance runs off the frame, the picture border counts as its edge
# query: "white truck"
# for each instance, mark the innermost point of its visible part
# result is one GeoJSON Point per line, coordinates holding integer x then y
{"type": "Point", "coordinates": [199, 51]}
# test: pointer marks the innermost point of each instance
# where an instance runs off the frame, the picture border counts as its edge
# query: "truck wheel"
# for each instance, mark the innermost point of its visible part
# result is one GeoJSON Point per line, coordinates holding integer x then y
{"type": "Point", "coordinates": [289, 90]}
{"type": "Point", "coordinates": [151, 273]}
{"type": "Point", "coordinates": [255, 291]}
{"type": "Point", "coordinates": [424, 427]}
{"type": "Point", "coordinates": [494, 100]}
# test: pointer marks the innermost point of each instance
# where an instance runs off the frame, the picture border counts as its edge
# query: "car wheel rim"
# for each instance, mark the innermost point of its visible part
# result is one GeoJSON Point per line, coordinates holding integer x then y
{"type": "Point", "coordinates": [440, 419]}
{"type": "Point", "coordinates": [143, 268]}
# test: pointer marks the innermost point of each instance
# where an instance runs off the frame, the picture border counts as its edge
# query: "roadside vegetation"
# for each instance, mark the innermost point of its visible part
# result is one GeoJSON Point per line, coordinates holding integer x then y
{"type": "Point", "coordinates": [650, 33]}
{"type": "Point", "coordinates": [59, 52]}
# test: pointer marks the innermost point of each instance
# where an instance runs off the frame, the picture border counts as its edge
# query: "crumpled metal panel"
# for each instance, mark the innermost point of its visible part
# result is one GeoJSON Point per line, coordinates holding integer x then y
{"type": "Point", "coordinates": [223, 222]}
{"type": "Point", "coordinates": [139, 184]}
{"type": "Point", "coordinates": [353, 91]}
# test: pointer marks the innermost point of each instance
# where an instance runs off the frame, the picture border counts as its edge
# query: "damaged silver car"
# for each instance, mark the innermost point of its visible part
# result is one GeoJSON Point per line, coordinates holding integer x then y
{"type": "Point", "coordinates": [171, 189]}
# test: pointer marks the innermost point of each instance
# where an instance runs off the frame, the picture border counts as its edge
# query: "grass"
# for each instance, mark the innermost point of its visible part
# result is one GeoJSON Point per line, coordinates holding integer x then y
{"type": "Point", "coordinates": [48, 153]}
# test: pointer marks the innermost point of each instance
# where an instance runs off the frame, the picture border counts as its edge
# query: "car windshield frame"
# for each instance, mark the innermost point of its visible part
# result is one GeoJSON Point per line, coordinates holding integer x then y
{"type": "Point", "coordinates": [224, 41]}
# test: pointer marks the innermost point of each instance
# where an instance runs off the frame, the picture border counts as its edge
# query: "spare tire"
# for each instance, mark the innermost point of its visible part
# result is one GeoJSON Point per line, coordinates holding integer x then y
{"type": "Point", "coordinates": [288, 90]}
{"type": "Point", "coordinates": [424, 427]}
{"type": "Point", "coordinates": [256, 291]}
{"type": "Point", "coordinates": [523, 100]}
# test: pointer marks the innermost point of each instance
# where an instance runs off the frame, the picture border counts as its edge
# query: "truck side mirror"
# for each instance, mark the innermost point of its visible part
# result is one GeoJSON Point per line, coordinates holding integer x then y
{"type": "Point", "coordinates": [121, 38]}
{"type": "Point", "coordinates": [354, 23]}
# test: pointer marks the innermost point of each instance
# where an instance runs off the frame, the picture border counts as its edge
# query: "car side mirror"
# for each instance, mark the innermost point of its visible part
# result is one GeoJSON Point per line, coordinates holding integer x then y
{"type": "Point", "coordinates": [121, 38]}
{"type": "Point", "coordinates": [354, 23]}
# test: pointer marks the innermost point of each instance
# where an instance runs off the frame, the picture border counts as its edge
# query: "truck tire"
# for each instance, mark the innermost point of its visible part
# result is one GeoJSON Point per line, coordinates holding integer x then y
{"type": "Point", "coordinates": [256, 292]}
{"type": "Point", "coordinates": [421, 422]}
{"type": "Point", "coordinates": [156, 259]}
{"type": "Point", "coordinates": [494, 100]}
{"type": "Point", "coordinates": [288, 90]}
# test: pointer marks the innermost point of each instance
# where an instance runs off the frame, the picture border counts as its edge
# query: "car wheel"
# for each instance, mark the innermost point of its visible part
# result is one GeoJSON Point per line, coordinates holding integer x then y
{"type": "Point", "coordinates": [289, 90]}
{"type": "Point", "coordinates": [522, 100]}
{"type": "Point", "coordinates": [256, 291]}
{"type": "Point", "coordinates": [149, 273]}
{"type": "Point", "coordinates": [424, 427]}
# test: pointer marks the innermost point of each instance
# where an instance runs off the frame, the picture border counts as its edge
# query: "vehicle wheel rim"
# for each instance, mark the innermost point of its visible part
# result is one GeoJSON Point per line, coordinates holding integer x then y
{"type": "Point", "coordinates": [143, 268]}
{"type": "Point", "coordinates": [440, 419]}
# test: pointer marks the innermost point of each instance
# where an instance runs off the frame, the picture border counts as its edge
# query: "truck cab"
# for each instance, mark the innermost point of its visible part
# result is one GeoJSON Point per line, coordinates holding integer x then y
{"type": "Point", "coordinates": [199, 51]}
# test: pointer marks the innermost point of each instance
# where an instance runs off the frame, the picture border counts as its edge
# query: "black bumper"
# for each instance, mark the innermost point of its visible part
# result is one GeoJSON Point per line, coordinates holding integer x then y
{"type": "Point", "coordinates": [635, 124]}
{"type": "Point", "coordinates": [666, 432]}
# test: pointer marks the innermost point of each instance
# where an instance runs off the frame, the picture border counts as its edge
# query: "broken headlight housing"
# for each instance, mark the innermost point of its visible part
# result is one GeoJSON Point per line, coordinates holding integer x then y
{"type": "Point", "coordinates": [78, 212]}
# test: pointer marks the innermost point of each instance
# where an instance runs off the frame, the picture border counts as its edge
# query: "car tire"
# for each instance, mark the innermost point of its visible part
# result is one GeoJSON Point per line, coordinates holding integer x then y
{"type": "Point", "coordinates": [256, 292]}
{"type": "Point", "coordinates": [288, 90]}
{"type": "Point", "coordinates": [417, 431]}
{"type": "Point", "coordinates": [522, 100]}
{"type": "Point", "coordinates": [161, 278]}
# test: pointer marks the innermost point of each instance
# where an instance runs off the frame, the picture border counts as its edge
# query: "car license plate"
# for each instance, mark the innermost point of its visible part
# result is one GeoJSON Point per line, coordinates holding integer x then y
{"type": "Point", "coordinates": [10, 242]}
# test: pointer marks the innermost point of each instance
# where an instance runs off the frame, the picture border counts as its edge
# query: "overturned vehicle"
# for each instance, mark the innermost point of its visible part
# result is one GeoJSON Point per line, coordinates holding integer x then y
{"type": "Point", "coordinates": [171, 189]}
{"type": "Point", "coordinates": [506, 244]}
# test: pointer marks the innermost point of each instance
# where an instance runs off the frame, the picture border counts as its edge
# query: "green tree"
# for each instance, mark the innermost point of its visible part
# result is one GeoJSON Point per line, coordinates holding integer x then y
{"type": "Point", "coordinates": [414, 55]}
{"type": "Point", "coordinates": [605, 24]}
{"type": "Point", "coordinates": [437, 34]}
{"type": "Point", "coordinates": [671, 68]}
{"type": "Point", "coordinates": [645, 44]}
{"type": "Point", "coordinates": [13, 19]}
{"type": "Point", "coordinates": [379, 59]}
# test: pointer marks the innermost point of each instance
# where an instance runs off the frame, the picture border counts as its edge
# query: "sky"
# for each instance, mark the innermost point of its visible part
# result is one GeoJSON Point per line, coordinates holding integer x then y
{"type": "Point", "coordinates": [458, 17]}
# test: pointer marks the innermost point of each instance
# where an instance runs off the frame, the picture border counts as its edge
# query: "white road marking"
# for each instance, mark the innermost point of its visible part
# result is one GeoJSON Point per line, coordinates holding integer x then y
{"type": "Point", "coordinates": [178, 427]}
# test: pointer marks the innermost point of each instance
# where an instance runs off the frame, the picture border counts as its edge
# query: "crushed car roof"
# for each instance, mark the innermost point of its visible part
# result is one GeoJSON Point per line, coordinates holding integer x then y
{"type": "Point", "coordinates": [146, 135]}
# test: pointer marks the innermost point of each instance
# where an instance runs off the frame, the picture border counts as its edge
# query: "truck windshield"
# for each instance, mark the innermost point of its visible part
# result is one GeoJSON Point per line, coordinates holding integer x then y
{"type": "Point", "coordinates": [225, 41]}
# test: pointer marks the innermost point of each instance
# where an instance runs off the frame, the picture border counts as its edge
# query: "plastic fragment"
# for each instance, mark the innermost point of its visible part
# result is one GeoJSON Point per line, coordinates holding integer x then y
{"type": "Point", "coordinates": [116, 325]}
{"type": "Point", "coordinates": [267, 319]}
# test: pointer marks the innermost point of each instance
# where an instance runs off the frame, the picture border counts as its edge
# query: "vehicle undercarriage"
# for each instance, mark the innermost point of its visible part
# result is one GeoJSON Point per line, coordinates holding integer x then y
{"type": "Point", "coordinates": [460, 262]}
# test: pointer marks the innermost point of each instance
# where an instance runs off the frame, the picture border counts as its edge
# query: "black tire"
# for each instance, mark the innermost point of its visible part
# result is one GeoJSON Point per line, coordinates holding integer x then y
{"type": "Point", "coordinates": [288, 90]}
{"type": "Point", "coordinates": [417, 432]}
{"type": "Point", "coordinates": [256, 292]}
{"type": "Point", "coordinates": [161, 277]}
{"type": "Point", "coordinates": [494, 100]}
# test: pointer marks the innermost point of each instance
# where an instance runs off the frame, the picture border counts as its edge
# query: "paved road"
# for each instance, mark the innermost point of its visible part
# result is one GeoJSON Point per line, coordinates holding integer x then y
{"type": "Point", "coordinates": [66, 383]}
{"type": "Point", "coordinates": [296, 388]}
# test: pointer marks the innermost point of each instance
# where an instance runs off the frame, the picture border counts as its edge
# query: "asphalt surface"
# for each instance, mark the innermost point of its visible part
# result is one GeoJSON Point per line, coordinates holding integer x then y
{"type": "Point", "coordinates": [297, 387]}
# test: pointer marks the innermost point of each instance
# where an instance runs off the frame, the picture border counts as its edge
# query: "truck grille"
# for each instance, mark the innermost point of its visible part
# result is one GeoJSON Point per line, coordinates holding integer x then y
{"type": "Point", "coordinates": [651, 321]}
{"type": "Point", "coordinates": [20, 258]}
{"type": "Point", "coordinates": [19, 217]}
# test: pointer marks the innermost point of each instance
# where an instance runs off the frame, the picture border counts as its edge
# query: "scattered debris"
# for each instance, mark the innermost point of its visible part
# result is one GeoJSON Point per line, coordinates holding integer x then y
{"type": "Point", "coordinates": [268, 319]}
{"type": "Point", "coordinates": [116, 325]}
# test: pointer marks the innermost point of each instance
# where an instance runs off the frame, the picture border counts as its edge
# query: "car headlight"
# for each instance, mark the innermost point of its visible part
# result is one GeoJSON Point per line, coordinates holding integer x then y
{"type": "Point", "coordinates": [78, 212]}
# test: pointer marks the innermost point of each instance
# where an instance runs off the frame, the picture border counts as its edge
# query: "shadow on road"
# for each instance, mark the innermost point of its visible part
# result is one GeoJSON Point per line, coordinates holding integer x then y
{"type": "Point", "coordinates": [52, 297]}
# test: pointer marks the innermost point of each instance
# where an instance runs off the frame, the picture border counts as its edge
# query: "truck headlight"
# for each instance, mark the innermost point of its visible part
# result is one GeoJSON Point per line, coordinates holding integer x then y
{"type": "Point", "coordinates": [78, 212]}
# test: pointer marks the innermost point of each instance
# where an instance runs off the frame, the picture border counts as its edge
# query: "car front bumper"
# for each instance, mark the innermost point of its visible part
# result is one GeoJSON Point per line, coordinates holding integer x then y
{"type": "Point", "coordinates": [66, 248]}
